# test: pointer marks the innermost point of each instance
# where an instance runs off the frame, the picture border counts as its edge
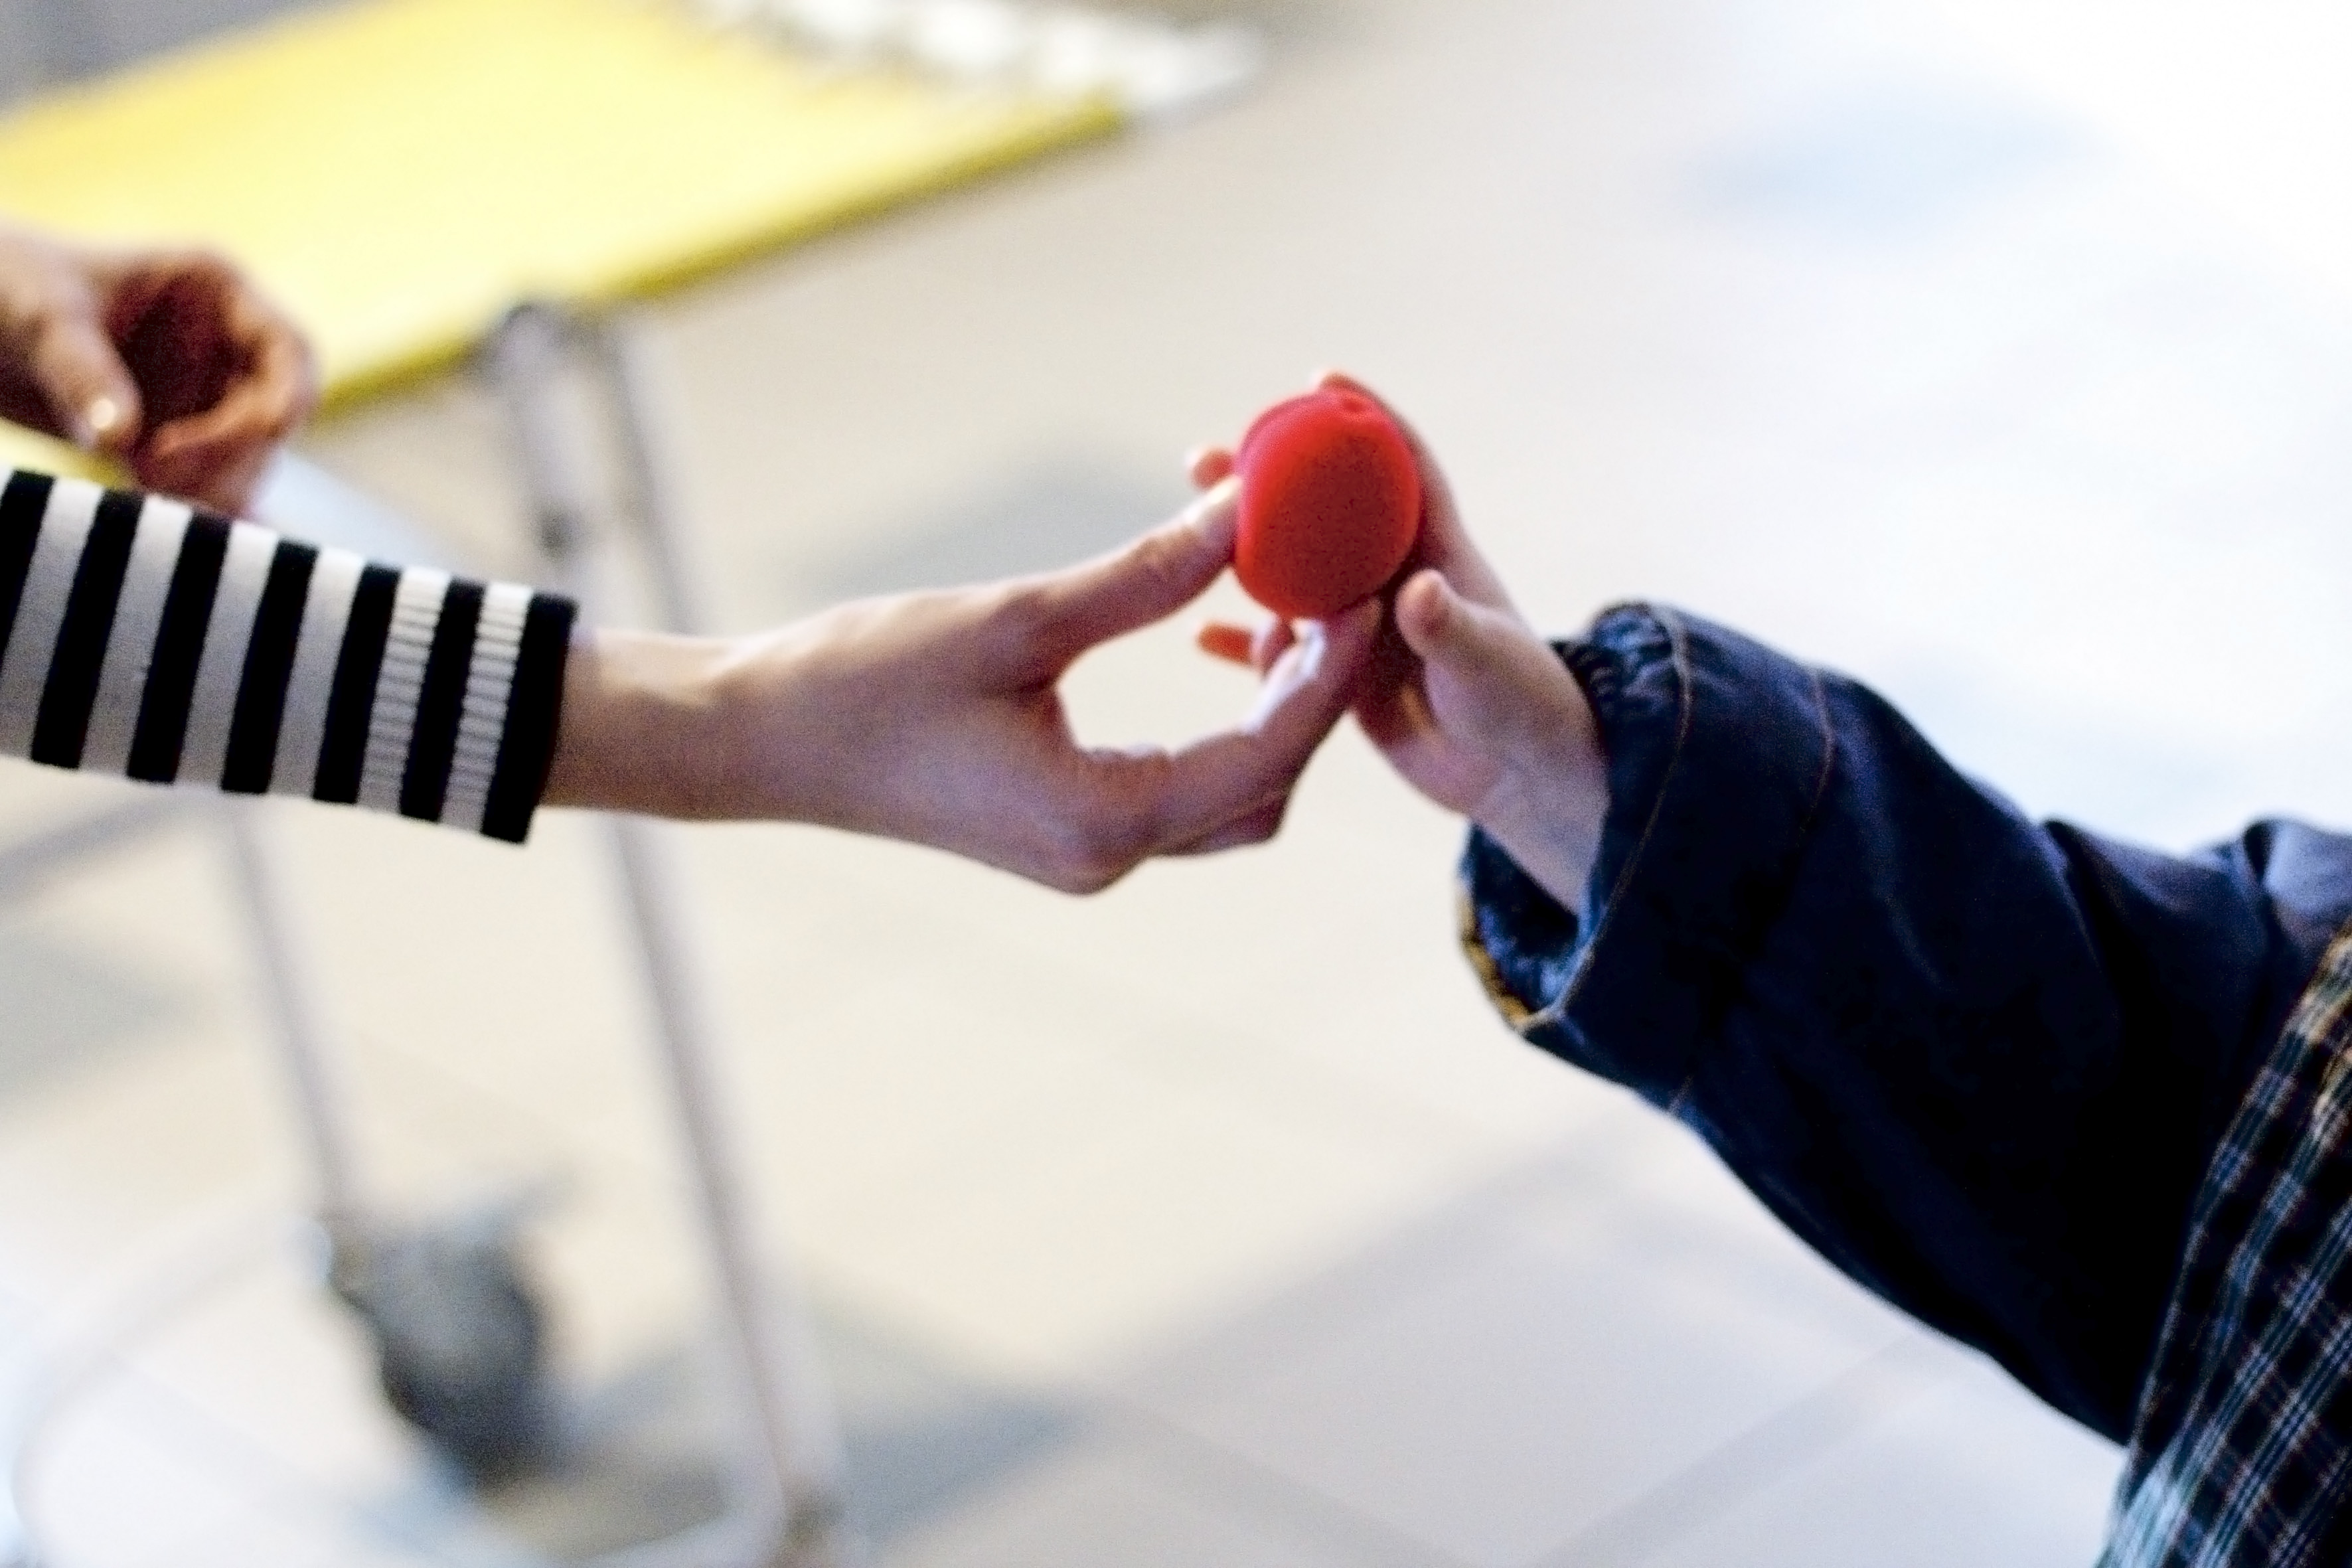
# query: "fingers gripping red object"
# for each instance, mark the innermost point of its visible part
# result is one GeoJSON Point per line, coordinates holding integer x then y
{"type": "Point", "coordinates": [1330, 503]}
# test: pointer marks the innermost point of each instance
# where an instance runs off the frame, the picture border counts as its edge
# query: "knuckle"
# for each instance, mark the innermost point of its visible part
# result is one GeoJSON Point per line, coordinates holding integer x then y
{"type": "Point", "coordinates": [1086, 881]}
{"type": "Point", "coordinates": [1162, 559]}
{"type": "Point", "coordinates": [1019, 614]}
{"type": "Point", "coordinates": [59, 328]}
{"type": "Point", "coordinates": [203, 261]}
{"type": "Point", "coordinates": [60, 353]}
{"type": "Point", "coordinates": [1262, 830]}
{"type": "Point", "coordinates": [1095, 846]}
{"type": "Point", "coordinates": [1027, 629]}
{"type": "Point", "coordinates": [1076, 874]}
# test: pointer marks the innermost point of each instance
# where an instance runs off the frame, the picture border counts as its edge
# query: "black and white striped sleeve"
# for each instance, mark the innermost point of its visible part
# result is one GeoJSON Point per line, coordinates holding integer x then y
{"type": "Point", "coordinates": [140, 638]}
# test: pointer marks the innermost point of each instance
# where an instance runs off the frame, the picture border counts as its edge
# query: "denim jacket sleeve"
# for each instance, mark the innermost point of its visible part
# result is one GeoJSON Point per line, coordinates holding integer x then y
{"type": "Point", "coordinates": [1979, 1064]}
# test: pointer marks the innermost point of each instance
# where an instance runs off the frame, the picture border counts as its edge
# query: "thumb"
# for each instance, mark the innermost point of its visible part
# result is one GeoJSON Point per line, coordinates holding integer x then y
{"type": "Point", "coordinates": [1448, 632]}
{"type": "Point", "coordinates": [1481, 665]}
{"type": "Point", "coordinates": [1148, 580]}
{"type": "Point", "coordinates": [90, 391]}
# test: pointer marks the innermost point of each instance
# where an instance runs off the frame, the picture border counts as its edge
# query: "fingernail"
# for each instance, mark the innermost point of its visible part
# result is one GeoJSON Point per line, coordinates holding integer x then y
{"type": "Point", "coordinates": [1308, 650]}
{"type": "Point", "coordinates": [99, 417]}
{"type": "Point", "coordinates": [1214, 498]}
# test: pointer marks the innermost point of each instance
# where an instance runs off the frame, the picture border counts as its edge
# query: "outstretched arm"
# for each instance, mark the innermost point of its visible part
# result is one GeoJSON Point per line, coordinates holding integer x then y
{"type": "Point", "coordinates": [140, 638]}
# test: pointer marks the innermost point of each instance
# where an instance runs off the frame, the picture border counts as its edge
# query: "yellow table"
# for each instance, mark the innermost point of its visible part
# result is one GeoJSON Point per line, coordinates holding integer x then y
{"type": "Point", "coordinates": [21, 448]}
{"type": "Point", "coordinates": [398, 173]}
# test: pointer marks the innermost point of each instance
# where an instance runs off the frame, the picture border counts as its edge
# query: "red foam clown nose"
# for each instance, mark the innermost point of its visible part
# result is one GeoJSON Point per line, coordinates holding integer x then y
{"type": "Point", "coordinates": [1330, 503]}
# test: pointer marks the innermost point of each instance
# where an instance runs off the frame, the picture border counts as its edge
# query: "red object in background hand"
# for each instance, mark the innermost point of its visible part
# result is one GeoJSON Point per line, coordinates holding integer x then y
{"type": "Point", "coordinates": [1330, 503]}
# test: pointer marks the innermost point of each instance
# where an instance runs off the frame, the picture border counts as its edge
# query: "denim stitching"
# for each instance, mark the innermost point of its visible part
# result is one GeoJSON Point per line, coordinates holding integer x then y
{"type": "Point", "coordinates": [1684, 703]}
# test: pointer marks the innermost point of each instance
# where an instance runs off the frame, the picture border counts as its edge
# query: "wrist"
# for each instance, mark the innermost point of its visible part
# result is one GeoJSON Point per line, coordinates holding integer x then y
{"type": "Point", "coordinates": [1547, 808]}
{"type": "Point", "coordinates": [643, 727]}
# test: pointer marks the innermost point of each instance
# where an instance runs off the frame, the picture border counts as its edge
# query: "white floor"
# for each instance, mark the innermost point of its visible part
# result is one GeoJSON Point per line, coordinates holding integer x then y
{"type": "Point", "coordinates": [1216, 1222]}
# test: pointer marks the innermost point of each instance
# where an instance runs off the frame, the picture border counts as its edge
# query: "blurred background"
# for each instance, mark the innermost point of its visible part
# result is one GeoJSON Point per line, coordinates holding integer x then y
{"type": "Point", "coordinates": [1998, 354]}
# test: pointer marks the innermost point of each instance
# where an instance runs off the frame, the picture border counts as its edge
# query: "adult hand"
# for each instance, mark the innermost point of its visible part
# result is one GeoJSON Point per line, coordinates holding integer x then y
{"type": "Point", "coordinates": [167, 361]}
{"type": "Point", "coordinates": [1467, 703]}
{"type": "Point", "coordinates": [935, 718]}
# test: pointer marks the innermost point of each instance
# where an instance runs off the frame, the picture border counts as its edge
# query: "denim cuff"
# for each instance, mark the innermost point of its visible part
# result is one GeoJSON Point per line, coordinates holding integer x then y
{"type": "Point", "coordinates": [1719, 752]}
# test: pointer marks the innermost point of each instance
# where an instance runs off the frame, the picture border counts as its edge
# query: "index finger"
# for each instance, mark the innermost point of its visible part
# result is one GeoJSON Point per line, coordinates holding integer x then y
{"type": "Point", "coordinates": [217, 454]}
{"type": "Point", "coordinates": [272, 393]}
{"type": "Point", "coordinates": [1219, 778]}
{"type": "Point", "coordinates": [256, 414]}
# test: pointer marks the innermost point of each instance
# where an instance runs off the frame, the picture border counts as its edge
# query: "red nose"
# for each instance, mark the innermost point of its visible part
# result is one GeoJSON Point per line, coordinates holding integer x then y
{"type": "Point", "coordinates": [1330, 503]}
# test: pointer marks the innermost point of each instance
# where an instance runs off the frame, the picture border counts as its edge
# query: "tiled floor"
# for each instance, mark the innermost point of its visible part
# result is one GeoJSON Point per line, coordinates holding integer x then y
{"type": "Point", "coordinates": [1215, 1222]}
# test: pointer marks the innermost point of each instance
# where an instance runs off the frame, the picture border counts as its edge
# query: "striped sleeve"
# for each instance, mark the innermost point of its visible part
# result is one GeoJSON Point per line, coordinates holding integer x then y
{"type": "Point", "coordinates": [141, 638]}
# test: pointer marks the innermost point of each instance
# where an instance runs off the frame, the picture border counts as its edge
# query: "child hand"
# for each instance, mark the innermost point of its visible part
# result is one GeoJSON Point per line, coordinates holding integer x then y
{"type": "Point", "coordinates": [1463, 698]}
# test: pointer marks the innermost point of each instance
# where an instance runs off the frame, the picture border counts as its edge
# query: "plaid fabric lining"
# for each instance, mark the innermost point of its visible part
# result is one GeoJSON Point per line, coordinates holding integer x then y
{"type": "Point", "coordinates": [2242, 1452]}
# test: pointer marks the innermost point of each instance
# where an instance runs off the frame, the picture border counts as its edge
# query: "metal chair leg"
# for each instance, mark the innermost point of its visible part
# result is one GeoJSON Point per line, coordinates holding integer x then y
{"type": "Point", "coordinates": [788, 1406]}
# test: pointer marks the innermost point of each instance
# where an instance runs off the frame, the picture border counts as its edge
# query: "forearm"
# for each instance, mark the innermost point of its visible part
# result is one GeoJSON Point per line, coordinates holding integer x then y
{"type": "Point", "coordinates": [1548, 814]}
{"type": "Point", "coordinates": [648, 728]}
{"type": "Point", "coordinates": [141, 639]}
